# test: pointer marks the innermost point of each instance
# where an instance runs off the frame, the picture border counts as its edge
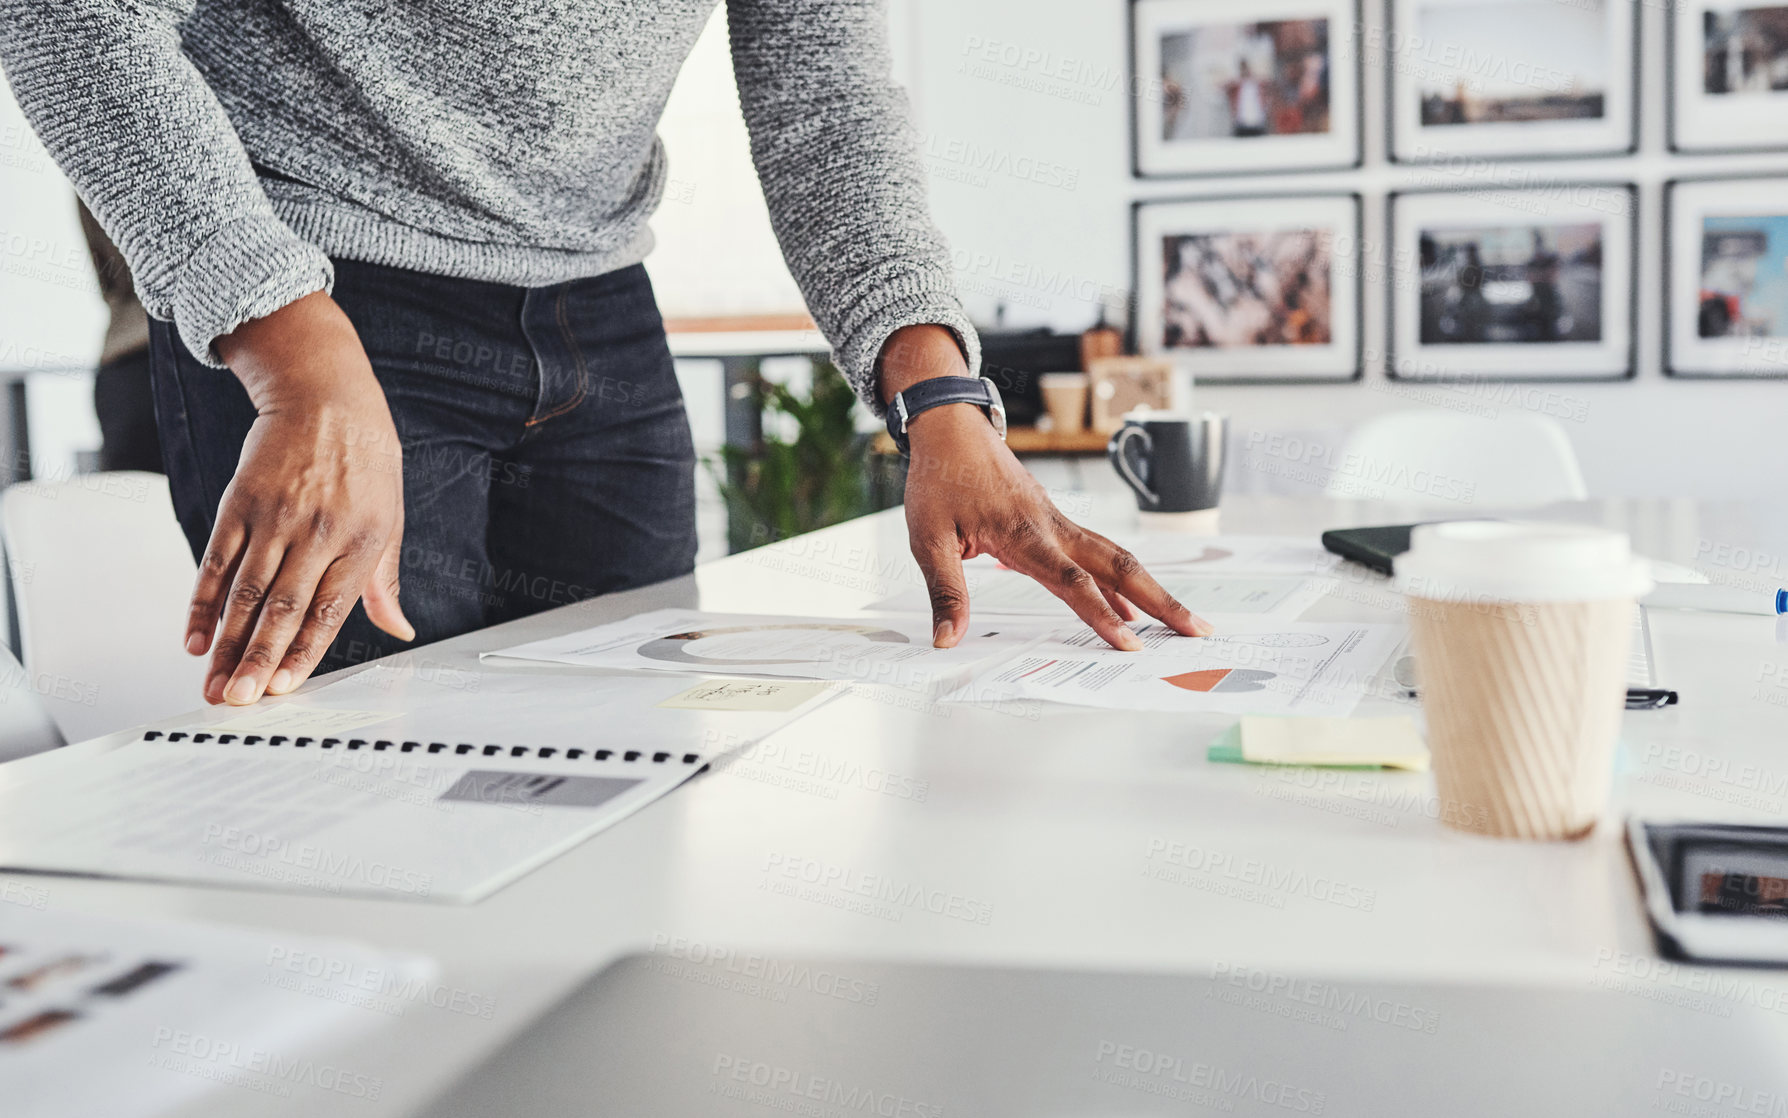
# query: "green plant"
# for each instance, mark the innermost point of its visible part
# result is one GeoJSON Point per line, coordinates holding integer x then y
{"type": "Point", "coordinates": [824, 475]}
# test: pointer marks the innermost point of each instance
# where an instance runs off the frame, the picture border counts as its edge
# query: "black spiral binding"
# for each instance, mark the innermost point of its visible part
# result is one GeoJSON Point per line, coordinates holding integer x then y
{"type": "Point", "coordinates": [545, 752]}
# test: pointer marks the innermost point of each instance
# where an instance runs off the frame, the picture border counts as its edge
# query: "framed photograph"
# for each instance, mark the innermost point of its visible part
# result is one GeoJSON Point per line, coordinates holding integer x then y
{"type": "Point", "coordinates": [1513, 284]}
{"type": "Point", "coordinates": [1512, 78]}
{"type": "Point", "coordinates": [1729, 76]}
{"type": "Point", "coordinates": [1726, 278]}
{"type": "Point", "coordinates": [1261, 289]}
{"type": "Point", "coordinates": [1226, 88]}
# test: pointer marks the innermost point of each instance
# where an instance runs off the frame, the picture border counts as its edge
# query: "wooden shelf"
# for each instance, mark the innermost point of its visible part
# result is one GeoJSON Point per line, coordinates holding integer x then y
{"type": "Point", "coordinates": [1029, 440]}
{"type": "Point", "coordinates": [738, 324]}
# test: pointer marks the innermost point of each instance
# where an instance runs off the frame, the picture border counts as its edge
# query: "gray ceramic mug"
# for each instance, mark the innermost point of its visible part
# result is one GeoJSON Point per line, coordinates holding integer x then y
{"type": "Point", "coordinates": [1173, 462]}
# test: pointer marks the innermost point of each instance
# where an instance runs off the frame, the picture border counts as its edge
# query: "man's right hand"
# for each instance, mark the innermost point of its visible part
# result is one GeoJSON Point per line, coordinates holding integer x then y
{"type": "Point", "coordinates": [313, 520]}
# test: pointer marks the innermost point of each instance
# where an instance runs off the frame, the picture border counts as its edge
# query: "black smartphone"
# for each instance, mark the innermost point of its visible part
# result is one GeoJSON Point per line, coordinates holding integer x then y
{"type": "Point", "coordinates": [1715, 892]}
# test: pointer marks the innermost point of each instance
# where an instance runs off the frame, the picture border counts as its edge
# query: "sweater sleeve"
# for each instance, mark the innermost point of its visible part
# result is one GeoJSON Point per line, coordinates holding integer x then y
{"type": "Point", "coordinates": [149, 148]}
{"type": "Point", "coordinates": [835, 150]}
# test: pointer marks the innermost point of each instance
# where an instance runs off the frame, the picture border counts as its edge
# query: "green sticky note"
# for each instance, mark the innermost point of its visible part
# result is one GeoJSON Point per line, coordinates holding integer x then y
{"type": "Point", "coordinates": [1226, 747]}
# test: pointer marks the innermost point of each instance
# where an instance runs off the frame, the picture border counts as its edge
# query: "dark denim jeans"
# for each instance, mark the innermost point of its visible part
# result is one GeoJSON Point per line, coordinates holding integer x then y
{"type": "Point", "coordinates": [547, 457]}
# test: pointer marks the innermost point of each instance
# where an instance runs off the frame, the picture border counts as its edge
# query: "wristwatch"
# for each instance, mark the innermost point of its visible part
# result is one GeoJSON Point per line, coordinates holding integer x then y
{"type": "Point", "coordinates": [936, 393]}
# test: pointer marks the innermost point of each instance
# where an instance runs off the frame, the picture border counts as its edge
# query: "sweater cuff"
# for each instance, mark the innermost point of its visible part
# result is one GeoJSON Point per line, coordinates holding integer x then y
{"type": "Point", "coordinates": [246, 270]}
{"type": "Point", "coordinates": [858, 355]}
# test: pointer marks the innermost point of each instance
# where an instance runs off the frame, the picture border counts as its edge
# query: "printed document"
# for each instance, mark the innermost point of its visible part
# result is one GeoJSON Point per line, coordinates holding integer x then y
{"type": "Point", "coordinates": [1254, 555]}
{"type": "Point", "coordinates": [137, 1018]}
{"type": "Point", "coordinates": [1247, 668]}
{"type": "Point", "coordinates": [869, 650]}
{"type": "Point", "coordinates": [1215, 576]}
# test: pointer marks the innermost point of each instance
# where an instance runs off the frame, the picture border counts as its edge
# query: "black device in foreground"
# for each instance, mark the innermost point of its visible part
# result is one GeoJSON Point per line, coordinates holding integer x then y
{"type": "Point", "coordinates": [1377, 548]}
{"type": "Point", "coordinates": [1715, 892]}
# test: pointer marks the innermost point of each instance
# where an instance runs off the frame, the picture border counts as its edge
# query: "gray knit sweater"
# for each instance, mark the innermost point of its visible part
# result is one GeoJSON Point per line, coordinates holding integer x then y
{"type": "Point", "coordinates": [504, 140]}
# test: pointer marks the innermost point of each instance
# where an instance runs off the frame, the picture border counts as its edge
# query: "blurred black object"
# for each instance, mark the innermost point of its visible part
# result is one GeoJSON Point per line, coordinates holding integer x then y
{"type": "Point", "coordinates": [1376, 548]}
{"type": "Point", "coordinates": [125, 404]}
{"type": "Point", "coordinates": [1015, 360]}
{"type": "Point", "coordinates": [122, 397]}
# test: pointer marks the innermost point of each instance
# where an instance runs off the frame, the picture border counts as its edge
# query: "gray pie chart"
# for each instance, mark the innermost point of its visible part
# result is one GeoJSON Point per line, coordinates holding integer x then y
{"type": "Point", "coordinates": [675, 648]}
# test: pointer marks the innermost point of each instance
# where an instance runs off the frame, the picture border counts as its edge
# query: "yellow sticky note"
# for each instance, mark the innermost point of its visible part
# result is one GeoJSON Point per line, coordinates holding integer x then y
{"type": "Point", "coordinates": [747, 694]}
{"type": "Point", "coordinates": [1387, 742]}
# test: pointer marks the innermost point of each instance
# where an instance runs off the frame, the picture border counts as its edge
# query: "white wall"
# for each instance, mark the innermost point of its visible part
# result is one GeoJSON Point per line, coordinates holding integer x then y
{"type": "Point", "coordinates": [1014, 238]}
{"type": "Point", "coordinates": [52, 319]}
{"type": "Point", "coordinates": [716, 253]}
{"type": "Point", "coordinates": [51, 316]}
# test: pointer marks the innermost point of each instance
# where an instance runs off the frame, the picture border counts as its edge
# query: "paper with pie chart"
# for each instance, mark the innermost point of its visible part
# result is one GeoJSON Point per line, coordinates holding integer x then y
{"type": "Point", "coordinates": [1224, 555]}
{"type": "Point", "coordinates": [999, 592]}
{"type": "Point", "coordinates": [1239, 576]}
{"type": "Point", "coordinates": [1305, 668]}
{"type": "Point", "coordinates": [895, 651]}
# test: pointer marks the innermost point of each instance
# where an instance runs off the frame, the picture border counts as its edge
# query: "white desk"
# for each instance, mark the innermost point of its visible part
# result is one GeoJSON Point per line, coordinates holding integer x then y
{"type": "Point", "coordinates": [1046, 823]}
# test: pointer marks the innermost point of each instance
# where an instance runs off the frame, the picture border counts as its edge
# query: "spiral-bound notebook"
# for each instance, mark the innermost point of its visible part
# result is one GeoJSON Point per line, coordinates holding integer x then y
{"type": "Point", "coordinates": [408, 779]}
{"type": "Point", "coordinates": [368, 816]}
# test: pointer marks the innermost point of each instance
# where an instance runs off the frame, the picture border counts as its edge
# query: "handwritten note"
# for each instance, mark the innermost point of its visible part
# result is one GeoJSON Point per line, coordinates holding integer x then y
{"type": "Point", "coordinates": [290, 718]}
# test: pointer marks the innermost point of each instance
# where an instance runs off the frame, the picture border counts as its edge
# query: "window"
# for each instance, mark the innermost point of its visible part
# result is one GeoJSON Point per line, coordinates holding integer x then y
{"type": "Point", "coordinates": [716, 255]}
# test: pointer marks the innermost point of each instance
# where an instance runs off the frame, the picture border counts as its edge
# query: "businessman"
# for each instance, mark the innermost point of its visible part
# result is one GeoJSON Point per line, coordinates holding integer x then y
{"type": "Point", "coordinates": [409, 372]}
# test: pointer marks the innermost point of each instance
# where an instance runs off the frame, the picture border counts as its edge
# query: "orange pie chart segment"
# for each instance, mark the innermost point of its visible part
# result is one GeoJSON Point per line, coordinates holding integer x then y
{"type": "Point", "coordinates": [1221, 679]}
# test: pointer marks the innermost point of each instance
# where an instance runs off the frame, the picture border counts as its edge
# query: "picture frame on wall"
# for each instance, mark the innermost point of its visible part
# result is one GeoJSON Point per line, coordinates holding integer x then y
{"type": "Point", "coordinates": [1726, 277]}
{"type": "Point", "coordinates": [1530, 284]}
{"type": "Point", "coordinates": [1512, 79]}
{"type": "Point", "coordinates": [1222, 88]}
{"type": "Point", "coordinates": [1253, 290]}
{"type": "Point", "coordinates": [1728, 75]}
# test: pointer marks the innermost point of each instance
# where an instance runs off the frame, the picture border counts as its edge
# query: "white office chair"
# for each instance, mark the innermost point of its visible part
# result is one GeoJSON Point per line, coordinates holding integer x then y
{"type": "Point", "coordinates": [25, 726]}
{"type": "Point", "coordinates": [1440, 458]}
{"type": "Point", "coordinates": [101, 576]}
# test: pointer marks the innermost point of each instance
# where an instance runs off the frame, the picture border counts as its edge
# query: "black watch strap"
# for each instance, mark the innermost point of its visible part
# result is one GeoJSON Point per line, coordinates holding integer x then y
{"type": "Point", "coordinates": [936, 393]}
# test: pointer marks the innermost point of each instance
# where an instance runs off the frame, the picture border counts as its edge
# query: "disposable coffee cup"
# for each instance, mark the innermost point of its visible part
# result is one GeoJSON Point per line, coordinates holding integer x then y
{"type": "Point", "coordinates": [1064, 397]}
{"type": "Point", "coordinates": [1522, 634]}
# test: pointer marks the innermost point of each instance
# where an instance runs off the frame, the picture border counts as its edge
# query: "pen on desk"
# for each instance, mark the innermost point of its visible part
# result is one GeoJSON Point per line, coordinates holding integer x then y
{"type": "Point", "coordinates": [1716, 599]}
{"type": "Point", "coordinates": [1648, 698]}
{"type": "Point", "coordinates": [1638, 698]}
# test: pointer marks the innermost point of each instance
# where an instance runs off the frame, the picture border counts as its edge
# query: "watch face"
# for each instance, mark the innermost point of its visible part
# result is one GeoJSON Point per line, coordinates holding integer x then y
{"type": "Point", "coordinates": [896, 419]}
{"type": "Point", "coordinates": [902, 410]}
{"type": "Point", "coordinates": [996, 405]}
